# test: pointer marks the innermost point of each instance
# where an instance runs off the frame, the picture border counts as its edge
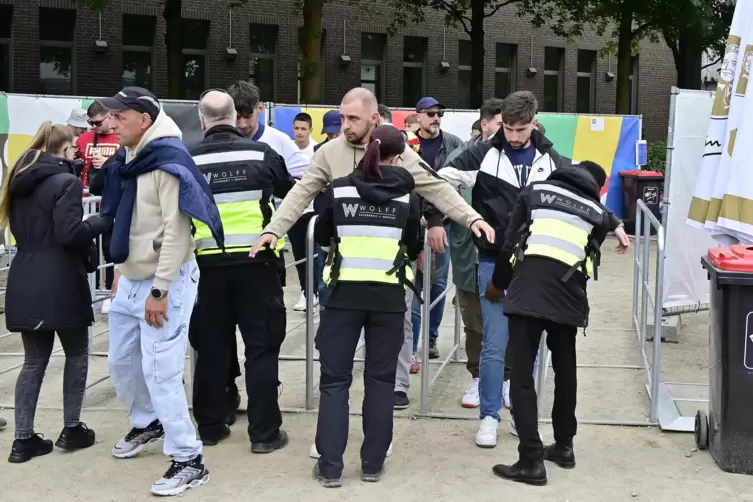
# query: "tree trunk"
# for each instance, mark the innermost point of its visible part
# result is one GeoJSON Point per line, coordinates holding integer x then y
{"type": "Point", "coordinates": [311, 48]}
{"type": "Point", "coordinates": [176, 71]}
{"type": "Point", "coordinates": [689, 60]}
{"type": "Point", "coordinates": [624, 60]}
{"type": "Point", "coordinates": [477, 53]}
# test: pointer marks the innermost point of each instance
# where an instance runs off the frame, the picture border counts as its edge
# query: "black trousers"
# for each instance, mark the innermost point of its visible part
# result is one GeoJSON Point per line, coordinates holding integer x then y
{"type": "Point", "coordinates": [337, 339]}
{"type": "Point", "coordinates": [297, 236]}
{"type": "Point", "coordinates": [249, 296]}
{"type": "Point", "coordinates": [525, 336]}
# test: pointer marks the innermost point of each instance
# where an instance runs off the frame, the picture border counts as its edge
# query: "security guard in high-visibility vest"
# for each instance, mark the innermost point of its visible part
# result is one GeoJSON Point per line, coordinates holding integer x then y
{"type": "Point", "coordinates": [236, 290]}
{"type": "Point", "coordinates": [551, 248]}
{"type": "Point", "coordinates": [371, 225]}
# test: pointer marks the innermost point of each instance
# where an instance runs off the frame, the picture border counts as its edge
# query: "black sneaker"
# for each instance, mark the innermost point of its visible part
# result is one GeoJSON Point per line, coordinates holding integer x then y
{"type": "Point", "coordinates": [401, 400]}
{"type": "Point", "coordinates": [214, 439]}
{"type": "Point", "coordinates": [181, 476]}
{"type": "Point", "coordinates": [326, 482]}
{"type": "Point", "coordinates": [270, 446]}
{"type": "Point", "coordinates": [133, 442]}
{"type": "Point", "coordinates": [233, 399]}
{"type": "Point", "coordinates": [433, 350]}
{"type": "Point", "coordinates": [372, 477]}
{"type": "Point", "coordinates": [26, 449]}
{"type": "Point", "coordinates": [76, 438]}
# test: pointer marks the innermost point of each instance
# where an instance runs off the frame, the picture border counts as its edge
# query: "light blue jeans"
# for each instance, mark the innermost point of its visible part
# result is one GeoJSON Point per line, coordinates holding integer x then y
{"type": "Point", "coordinates": [147, 363]}
{"type": "Point", "coordinates": [495, 337]}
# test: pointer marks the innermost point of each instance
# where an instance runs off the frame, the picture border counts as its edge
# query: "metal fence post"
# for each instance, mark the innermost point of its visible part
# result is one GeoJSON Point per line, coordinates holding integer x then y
{"type": "Point", "coordinates": [645, 274]}
{"type": "Point", "coordinates": [456, 329]}
{"type": "Point", "coordinates": [310, 314]}
{"type": "Point", "coordinates": [425, 313]}
{"type": "Point", "coordinates": [658, 296]}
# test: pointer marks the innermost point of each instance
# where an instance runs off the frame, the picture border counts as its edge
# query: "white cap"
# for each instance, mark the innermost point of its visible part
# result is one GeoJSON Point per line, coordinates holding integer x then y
{"type": "Point", "coordinates": [78, 119]}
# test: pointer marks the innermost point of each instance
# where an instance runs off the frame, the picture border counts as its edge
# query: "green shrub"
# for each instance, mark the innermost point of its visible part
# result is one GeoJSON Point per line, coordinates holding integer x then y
{"type": "Point", "coordinates": [657, 156]}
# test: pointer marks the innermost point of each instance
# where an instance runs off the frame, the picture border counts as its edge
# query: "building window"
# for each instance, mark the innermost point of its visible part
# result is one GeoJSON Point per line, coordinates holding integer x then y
{"type": "Point", "coordinates": [56, 29]}
{"type": "Point", "coordinates": [465, 51]}
{"type": "Point", "coordinates": [195, 36]}
{"type": "Point", "coordinates": [262, 44]}
{"type": "Point", "coordinates": [634, 85]}
{"type": "Point", "coordinates": [585, 91]}
{"type": "Point", "coordinates": [372, 62]}
{"type": "Point", "coordinates": [6, 15]}
{"type": "Point", "coordinates": [504, 70]}
{"type": "Point", "coordinates": [553, 57]}
{"type": "Point", "coordinates": [414, 70]}
{"type": "Point", "coordinates": [300, 67]}
{"type": "Point", "coordinates": [138, 50]}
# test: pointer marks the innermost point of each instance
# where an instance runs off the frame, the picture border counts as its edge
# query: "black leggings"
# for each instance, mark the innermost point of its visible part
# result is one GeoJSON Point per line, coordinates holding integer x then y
{"type": "Point", "coordinates": [37, 352]}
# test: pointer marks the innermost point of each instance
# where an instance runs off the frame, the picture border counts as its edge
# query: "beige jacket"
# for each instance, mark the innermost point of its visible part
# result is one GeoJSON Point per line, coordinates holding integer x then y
{"type": "Point", "coordinates": [338, 158]}
{"type": "Point", "coordinates": [160, 239]}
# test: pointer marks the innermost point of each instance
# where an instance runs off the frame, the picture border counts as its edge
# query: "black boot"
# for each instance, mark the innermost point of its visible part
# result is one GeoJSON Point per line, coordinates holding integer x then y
{"type": "Point", "coordinates": [213, 439]}
{"type": "Point", "coordinates": [533, 473]}
{"type": "Point", "coordinates": [269, 446]}
{"type": "Point", "coordinates": [233, 398]}
{"type": "Point", "coordinates": [26, 449]}
{"type": "Point", "coordinates": [76, 438]}
{"type": "Point", "coordinates": [561, 455]}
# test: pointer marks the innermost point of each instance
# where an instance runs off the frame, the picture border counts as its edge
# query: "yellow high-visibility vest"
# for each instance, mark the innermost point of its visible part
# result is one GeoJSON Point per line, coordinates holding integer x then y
{"type": "Point", "coordinates": [368, 239]}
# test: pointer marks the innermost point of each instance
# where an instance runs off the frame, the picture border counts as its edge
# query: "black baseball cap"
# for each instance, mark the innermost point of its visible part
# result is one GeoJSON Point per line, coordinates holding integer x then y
{"type": "Point", "coordinates": [133, 98]}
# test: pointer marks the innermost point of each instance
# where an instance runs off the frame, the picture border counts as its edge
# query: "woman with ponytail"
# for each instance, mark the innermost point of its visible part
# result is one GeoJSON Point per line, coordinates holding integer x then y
{"type": "Point", "coordinates": [48, 290]}
{"type": "Point", "coordinates": [371, 225]}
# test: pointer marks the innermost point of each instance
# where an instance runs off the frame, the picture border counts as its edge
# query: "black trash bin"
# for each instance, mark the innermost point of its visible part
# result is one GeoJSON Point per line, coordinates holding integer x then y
{"type": "Point", "coordinates": [640, 185]}
{"type": "Point", "coordinates": [728, 429]}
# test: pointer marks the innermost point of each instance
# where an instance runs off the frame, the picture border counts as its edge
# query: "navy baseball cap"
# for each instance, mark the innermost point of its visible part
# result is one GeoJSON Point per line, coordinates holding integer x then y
{"type": "Point", "coordinates": [331, 122]}
{"type": "Point", "coordinates": [133, 98]}
{"type": "Point", "coordinates": [426, 103]}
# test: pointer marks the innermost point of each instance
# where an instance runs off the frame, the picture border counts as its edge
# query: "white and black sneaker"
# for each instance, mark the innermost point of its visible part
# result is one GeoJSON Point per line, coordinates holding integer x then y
{"type": "Point", "coordinates": [133, 442]}
{"type": "Point", "coordinates": [181, 476]}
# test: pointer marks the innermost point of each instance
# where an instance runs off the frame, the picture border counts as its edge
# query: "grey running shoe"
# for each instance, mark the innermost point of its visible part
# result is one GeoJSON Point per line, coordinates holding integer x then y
{"type": "Point", "coordinates": [3, 422]}
{"type": "Point", "coordinates": [133, 442]}
{"type": "Point", "coordinates": [181, 476]}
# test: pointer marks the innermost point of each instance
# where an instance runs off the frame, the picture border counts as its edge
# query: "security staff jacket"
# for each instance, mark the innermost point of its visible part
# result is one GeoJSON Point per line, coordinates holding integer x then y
{"type": "Point", "coordinates": [244, 176]}
{"type": "Point", "coordinates": [372, 229]}
{"type": "Point", "coordinates": [551, 248]}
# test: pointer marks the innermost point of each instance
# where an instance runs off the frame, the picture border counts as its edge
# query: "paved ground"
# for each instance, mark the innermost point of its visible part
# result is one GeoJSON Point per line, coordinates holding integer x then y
{"type": "Point", "coordinates": [433, 459]}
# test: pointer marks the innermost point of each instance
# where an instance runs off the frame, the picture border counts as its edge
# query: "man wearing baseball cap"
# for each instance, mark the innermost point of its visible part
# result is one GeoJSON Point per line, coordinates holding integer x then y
{"type": "Point", "coordinates": [153, 189]}
{"type": "Point", "coordinates": [332, 125]}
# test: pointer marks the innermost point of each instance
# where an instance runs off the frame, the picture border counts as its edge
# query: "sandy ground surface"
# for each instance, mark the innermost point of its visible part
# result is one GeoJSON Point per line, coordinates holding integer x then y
{"type": "Point", "coordinates": [433, 459]}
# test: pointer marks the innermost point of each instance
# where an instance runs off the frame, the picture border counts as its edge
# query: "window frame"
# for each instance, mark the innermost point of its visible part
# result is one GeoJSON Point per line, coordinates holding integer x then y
{"type": "Point", "coordinates": [143, 48]}
{"type": "Point", "coordinates": [560, 80]}
{"type": "Point", "coordinates": [64, 45]}
{"type": "Point", "coordinates": [198, 52]}
{"type": "Point", "coordinates": [264, 55]}
{"type": "Point", "coordinates": [379, 84]}
{"type": "Point", "coordinates": [591, 82]}
{"type": "Point", "coordinates": [464, 68]}
{"type": "Point", "coordinates": [414, 64]}
{"type": "Point", "coordinates": [501, 69]}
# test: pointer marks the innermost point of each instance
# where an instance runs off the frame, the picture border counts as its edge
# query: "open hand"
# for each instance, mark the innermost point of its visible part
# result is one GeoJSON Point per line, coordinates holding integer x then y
{"type": "Point", "coordinates": [268, 240]}
{"type": "Point", "coordinates": [623, 245]}
{"type": "Point", "coordinates": [437, 239]}
{"type": "Point", "coordinates": [480, 227]}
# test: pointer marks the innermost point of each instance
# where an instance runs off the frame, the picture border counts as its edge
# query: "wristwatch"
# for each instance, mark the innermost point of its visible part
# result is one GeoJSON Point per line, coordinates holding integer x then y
{"type": "Point", "coordinates": [158, 293]}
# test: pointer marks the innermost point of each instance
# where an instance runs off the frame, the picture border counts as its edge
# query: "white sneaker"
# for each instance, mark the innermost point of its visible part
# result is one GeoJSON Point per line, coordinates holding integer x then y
{"type": "Point", "coordinates": [486, 437]}
{"type": "Point", "coordinates": [313, 453]}
{"type": "Point", "coordinates": [301, 305]}
{"type": "Point", "coordinates": [506, 394]}
{"type": "Point", "coordinates": [471, 398]}
{"type": "Point", "coordinates": [106, 304]}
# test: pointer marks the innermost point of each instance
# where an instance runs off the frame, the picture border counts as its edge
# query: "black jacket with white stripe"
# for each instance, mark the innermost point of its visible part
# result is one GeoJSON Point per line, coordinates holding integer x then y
{"type": "Point", "coordinates": [233, 163]}
{"type": "Point", "coordinates": [486, 169]}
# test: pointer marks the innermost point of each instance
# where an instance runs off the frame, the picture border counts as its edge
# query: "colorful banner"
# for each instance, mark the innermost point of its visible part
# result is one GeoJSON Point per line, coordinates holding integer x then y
{"type": "Point", "coordinates": [606, 140]}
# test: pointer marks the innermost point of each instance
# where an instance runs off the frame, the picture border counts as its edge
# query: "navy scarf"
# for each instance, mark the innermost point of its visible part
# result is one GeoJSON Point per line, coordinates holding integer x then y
{"type": "Point", "coordinates": [169, 155]}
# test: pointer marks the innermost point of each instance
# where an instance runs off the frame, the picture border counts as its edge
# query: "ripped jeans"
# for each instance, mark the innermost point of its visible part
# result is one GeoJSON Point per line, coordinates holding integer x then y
{"type": "Point", "coordinates": [147, 363]}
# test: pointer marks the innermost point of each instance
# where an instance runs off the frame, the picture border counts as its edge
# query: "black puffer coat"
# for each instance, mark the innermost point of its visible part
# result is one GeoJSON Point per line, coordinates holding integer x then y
{"type": "Point", "coordinates": [47, 282]}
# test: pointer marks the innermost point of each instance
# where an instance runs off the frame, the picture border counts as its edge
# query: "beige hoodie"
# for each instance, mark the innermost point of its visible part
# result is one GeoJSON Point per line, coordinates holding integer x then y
{"type": "Point", "coordinates": [338, 158]}
{"type": "Point", "coordinates": [160, 240]}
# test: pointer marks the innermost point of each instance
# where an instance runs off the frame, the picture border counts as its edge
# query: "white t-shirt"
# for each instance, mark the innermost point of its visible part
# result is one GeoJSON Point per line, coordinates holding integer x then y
{"type": "Point", "coordinates": [309, 150]}
{"type": "Point", "coordinates": [295, 160]}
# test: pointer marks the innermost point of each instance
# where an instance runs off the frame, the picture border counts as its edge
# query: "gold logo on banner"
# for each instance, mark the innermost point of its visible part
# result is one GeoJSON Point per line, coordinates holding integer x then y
{"type": "Point", "coordinates": [731, 142]}
{"type": "Point", "coordinates": [726, 76]}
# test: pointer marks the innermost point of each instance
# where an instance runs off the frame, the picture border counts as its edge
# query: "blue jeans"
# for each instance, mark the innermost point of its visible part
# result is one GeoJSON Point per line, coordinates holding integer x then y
{"type": "Point", "coordinates": [147, 363]}
{"type": "Point", "coordinates": [496, 335]}
{"type": "Point", "coordinates": [442, 266]}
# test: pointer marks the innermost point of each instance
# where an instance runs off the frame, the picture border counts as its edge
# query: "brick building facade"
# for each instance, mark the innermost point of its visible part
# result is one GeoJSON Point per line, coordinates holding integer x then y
{"type": "Point", "coordinates": [42, 52]}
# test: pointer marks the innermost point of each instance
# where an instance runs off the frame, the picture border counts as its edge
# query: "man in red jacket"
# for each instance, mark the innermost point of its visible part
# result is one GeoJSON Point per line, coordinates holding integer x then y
{"type": "Point", "coordinates": [97, 145]}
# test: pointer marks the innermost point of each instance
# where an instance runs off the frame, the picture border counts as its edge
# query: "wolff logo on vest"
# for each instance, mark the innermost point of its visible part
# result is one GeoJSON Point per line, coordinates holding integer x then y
{"type": "Point", "coordinates": [353, 210]}
{"type": "Point", "coordinates": [566, 203]}
{"type": "Point", "coordinates": [225, 176]}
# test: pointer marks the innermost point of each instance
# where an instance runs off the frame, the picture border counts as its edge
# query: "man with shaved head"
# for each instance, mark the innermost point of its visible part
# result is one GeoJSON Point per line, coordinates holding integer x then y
{"type": "Point", "coordinates": [236, 289]}
{"type": "Point", "coordinates": [340, 156]}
